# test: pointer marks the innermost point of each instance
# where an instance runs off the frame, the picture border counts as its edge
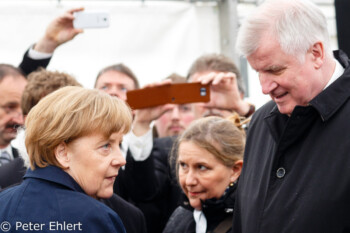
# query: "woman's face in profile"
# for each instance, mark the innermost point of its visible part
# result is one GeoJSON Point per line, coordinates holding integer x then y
{"type": "Point", "coordinates": [94, 162]}
{"type": "Point", "coordinates": [202, 176]}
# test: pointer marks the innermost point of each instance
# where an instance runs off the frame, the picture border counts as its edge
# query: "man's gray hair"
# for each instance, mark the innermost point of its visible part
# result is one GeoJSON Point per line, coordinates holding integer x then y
{"type": "Point", "coordinates": [296, 24]}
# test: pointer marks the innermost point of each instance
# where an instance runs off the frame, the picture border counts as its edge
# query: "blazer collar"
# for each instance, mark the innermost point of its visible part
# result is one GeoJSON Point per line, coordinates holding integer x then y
{"type": "Point", "coordinates": [54, 174]}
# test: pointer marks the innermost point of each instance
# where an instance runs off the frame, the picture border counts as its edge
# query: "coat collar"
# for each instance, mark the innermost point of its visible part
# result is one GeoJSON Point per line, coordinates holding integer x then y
{"type": "Point", "coordinates": [216, 209]}
{"type": "Point", "coordinates": [55, 175]}
{"type": "Point", "coordinates": [334, 96]}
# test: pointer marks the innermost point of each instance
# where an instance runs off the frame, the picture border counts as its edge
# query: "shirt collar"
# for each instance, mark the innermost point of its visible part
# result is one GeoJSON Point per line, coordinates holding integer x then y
{"type": "Point", "coordinates": [338, 71]}
{"type": "Point", "coordinates": [201, 221]}
{"type": "Point", "coordinates": [8, 149]}
{"type": "Point", "coordinates": [337, 93]}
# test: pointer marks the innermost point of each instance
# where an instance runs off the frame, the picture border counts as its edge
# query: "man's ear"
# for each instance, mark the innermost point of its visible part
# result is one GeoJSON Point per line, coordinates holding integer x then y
{"type": "Point", "coordinates": [318, 54]}
{"type": "Point", "coordinates": [61, 154]}
{"type": "Point", "coordinates": [237, 169]}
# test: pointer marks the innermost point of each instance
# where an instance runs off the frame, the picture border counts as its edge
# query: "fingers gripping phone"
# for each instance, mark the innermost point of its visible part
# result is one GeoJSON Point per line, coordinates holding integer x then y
{"type": "Point", "coordinates": [179, 93]}
{"type": "Point", "coordinates": [91, 19]}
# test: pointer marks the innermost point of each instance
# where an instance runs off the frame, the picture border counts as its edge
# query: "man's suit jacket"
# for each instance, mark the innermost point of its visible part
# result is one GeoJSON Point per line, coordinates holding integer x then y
{"type": "Point", "coordinates": [29, 65]}
{"type": "Point", "coordinates": [12, 173]}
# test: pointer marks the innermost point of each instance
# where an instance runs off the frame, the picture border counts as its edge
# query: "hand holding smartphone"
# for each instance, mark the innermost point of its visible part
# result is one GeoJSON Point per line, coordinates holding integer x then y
{"type": "Point", "coordinates": [91, 19]}
{"type": "Point", "coordinates": [179, 93]}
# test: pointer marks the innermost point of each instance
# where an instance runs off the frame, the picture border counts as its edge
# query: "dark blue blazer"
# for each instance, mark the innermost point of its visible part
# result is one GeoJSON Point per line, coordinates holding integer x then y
{"type": "Point", "coordinates": [50, 200]}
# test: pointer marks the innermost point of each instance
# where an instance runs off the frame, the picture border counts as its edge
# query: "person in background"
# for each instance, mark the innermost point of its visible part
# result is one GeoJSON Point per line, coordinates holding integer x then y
{"type": "Point", "coordinates": [58, 32]}
{"type": "Point", "coordinates": [208, 159]}
{"type": "Point", "coordinates": [165, 195]}
{"type": "Point", "coordinates": [72, 139]}
{"type": "Point", "coordinates": [174, 121]}
{"type": "Point", "coordinates": [12, 84]}
{"type": "Point", "coordinates": [295, 176]}
{"type": "Point", "coordinates": [40, 83]}
{"type": "Point", "coordinates": [224, 70]}
{"type": "Point", "coordinates": [116, 80]}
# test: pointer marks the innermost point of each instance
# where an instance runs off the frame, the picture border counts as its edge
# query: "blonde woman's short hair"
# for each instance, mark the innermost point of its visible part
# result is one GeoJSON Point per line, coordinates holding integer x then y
{"type": "Point", "coordinates": [70, 113]}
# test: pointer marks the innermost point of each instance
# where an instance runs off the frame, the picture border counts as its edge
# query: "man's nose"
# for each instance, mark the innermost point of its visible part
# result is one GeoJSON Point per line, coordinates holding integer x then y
{"type": "Point", "coordinates": [113, 91]}
{"type": "Point", "coordinates": [17, 117]}
{"type": "Point", "coordinates": [175, 114]}
{"type": "Point", "coordinates": [267, 84]}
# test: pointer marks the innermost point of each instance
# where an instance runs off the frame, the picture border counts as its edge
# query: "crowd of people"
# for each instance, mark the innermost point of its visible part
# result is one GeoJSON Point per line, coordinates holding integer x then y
{"type": "Point", "coordinates": [85, 161]}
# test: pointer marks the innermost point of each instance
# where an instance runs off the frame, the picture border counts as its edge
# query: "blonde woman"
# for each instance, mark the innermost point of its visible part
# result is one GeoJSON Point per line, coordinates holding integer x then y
{"type": "Point", "coordinates": [72, 139]}
{"type": "Point", "coordinates": [208, 158]}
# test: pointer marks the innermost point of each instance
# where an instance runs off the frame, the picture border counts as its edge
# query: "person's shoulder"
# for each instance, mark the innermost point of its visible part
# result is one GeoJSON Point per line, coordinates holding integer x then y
{"type": "Point", "coordinates": [131, 216]}
{"type": "Point", "coordinates": [260, 114]}
{"type": "Point", "coordinates": [121, 206]}
{"type": "Point", "coordinates": [164, 141]}
{"type": "Point", "coordinates": [265, 109]}
{"type": "Point", "coordinates": [79, 200]}
{"type": "Point", "coordinates": [10, 192]}
{"type": "Point", "coordinates": [10, 198]}
{"type": "Point", "coordinates": [181, 211]}
{"type": "Point", "coordinates": [163, 145]}
{"type": "Point", "coordinates": [179, 220]}
{"type": "Point", "coordinates": [63, 203]}
{"type": "Point", "coordinates": [92, 213]}
{"type": "Point", "coordinates": [12, 173]}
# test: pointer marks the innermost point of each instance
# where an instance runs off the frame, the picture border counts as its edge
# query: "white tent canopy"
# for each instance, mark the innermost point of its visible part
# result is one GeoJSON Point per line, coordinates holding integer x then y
{"type": "Point", "coordinates": [153, 38]}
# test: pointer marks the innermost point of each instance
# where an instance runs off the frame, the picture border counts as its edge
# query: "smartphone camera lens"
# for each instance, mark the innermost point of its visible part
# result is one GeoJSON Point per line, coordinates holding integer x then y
{"type": "Point", "coordinates": [203, 91]}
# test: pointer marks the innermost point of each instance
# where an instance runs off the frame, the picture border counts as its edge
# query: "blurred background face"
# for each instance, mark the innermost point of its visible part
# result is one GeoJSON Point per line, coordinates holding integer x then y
{"type": "Point", "coordinates": [201, 175]}
{"type": "Point", "coordinates": [174, 121]}
{"type": "Point", "coordinates": [115, 83]}
{"type": "Point", "coordinates": [11, 90]}
{"type": "Point", "coordinates": [216, 99]}
{"type": "Point", "coordinates": [203, 110]}
{"type": "Point", "coordinates": [94, 162]}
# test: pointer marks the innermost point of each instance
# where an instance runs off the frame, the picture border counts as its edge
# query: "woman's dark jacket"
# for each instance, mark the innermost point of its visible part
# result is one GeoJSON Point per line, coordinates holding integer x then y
{"type": "Point", "coordinates": [50, 198]}
{"type": "Point", "coordinates": [215, 211]}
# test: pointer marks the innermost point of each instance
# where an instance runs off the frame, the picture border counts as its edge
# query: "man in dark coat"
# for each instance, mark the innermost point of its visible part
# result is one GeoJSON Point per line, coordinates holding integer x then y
{"type": "Point", "coordinates": [296, 165]}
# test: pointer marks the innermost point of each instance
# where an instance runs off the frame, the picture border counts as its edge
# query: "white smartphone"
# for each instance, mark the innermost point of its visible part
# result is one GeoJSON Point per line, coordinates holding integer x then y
{"type": "Point", "coordinates": [91, 19]}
